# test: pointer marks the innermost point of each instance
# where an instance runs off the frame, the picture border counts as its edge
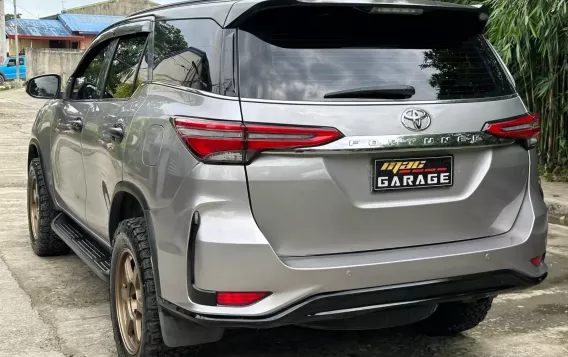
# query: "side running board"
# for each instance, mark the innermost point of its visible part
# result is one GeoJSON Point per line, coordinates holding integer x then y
{"type": "Point", "coordinates": [90, 251]}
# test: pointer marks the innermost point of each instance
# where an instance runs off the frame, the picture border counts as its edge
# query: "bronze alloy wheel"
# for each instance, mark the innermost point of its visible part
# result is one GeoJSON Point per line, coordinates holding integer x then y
{"type": "Point", "coordinates": [34, 204]}
{"type": "Point", "coordinates": [129, 302]}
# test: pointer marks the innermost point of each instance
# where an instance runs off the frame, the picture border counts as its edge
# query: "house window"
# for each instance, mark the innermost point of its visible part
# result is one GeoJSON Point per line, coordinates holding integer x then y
{"type": "Point", "coordinates": [75, 45]}
{"type": "Point", "coordinates": [56, 44]}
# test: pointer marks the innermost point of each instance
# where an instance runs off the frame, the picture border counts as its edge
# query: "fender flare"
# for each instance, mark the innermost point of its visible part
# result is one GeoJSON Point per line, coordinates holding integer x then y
{"type": "Point", "coordinates": [132, 189]}
{"type": "Point", "coordinates": [34, 142]}
{"type": "Point", "coordinates": [51, 191]}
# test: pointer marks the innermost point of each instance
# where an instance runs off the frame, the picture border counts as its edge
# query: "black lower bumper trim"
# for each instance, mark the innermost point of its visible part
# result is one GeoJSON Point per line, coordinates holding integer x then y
{"type": "Point", "coordinates": [355, 302]}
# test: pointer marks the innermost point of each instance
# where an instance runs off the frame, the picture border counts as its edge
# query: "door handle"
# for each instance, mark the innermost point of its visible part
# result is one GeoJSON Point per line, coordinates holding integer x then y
{"type": "Point", "coordinates": [116, 132]}
{"type": "Point", "coordinates": [77, 125]}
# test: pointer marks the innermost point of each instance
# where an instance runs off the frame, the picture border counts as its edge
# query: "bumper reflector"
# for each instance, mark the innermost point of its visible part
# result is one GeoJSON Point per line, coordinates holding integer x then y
{"type": "Point", "coordinates": [240, 298]}
{"type": "Point", "coordinates": [536, 261]}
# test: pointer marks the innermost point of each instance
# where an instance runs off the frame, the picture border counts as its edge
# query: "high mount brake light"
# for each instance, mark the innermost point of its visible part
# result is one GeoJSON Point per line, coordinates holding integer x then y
{"type": "Point", "coordinates": [227, 142]}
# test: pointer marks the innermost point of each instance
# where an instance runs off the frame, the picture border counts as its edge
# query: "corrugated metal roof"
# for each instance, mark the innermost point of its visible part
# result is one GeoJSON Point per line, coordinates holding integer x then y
{"type": "Point", "coordinates": [37, 28]}
{"type": "Point", "coordinates": [83, 7]}
{"type": "Point", "coordinates": [87, 24]}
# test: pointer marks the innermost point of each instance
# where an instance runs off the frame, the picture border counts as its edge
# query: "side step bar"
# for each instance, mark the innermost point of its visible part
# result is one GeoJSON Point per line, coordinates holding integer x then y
{"type": "Point", "coordinates": [89, 250]}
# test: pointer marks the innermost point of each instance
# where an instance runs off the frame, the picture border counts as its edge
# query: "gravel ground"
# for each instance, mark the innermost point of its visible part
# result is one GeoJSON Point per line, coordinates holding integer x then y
{"type": "Point", "coordinates": [52, 307]}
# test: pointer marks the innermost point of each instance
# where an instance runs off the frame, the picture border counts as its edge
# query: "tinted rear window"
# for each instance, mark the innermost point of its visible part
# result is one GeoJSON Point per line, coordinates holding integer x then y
{"type": "Point", "coordinates": [301, 54]}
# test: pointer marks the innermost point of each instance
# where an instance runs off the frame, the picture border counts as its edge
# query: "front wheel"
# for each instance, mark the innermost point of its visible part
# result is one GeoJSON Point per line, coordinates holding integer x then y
{"type": "Point", "coordinates": [41, 213]}
{"type": "Point", "coordinates": [2, 80]}
{"type": "Point", "coordinates": [134, 307]}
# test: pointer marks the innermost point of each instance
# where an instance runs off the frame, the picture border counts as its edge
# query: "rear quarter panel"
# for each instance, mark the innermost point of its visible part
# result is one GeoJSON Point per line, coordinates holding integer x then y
{"type": "Point", "coordinates": [169, 182]}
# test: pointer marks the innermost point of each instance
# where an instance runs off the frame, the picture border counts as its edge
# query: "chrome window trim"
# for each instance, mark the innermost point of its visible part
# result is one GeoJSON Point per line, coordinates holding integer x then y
{"type": "Point", "coordinates": [196, 91]}
{"type": "Point", "coordinates": [411, 142]}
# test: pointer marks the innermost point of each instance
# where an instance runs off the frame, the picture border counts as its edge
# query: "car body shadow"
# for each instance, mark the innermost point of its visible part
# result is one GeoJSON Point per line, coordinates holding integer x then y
{"type": "Point", "coordinates": [297, 341]}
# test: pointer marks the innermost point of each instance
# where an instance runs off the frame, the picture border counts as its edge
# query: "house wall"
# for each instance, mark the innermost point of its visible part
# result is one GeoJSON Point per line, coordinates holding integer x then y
{"type": "Point", "coordinates": [112, 7]}
{"type": "Point", "coordinates": [86, 42]}
{"type": "Point", "coordinates": [50, 60]}
{"type": "Point", "coordinates": [25, 43]}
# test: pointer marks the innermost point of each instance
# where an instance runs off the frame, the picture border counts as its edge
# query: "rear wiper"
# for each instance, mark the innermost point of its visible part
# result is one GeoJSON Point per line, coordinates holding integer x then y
{"type": "Point", "coordinates": [376, 92]}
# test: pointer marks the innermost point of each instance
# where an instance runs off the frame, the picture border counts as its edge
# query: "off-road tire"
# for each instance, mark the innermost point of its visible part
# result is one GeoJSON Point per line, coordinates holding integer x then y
{"type": "Point", "coordinates": [132, 234]}
{"type": "Point", "coordinates": [45, 242]}
{"type": "Point", "coordinates": [455, 317]}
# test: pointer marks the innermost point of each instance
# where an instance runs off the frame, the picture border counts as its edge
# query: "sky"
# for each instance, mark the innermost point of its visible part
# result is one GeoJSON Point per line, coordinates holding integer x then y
{"type": "Point", "coordinates": [32, 9]}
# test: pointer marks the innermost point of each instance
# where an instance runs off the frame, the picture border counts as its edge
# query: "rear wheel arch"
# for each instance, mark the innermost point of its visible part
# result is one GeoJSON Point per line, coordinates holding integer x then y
{"type": "Point", "coordinates": [127, 202]}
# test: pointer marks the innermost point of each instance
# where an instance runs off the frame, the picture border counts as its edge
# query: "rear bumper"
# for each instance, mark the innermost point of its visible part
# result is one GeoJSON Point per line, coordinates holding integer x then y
{"type": "Point", "coordinates": [228, 252]}
{"type": "Point", "coordinates": [352, 303]}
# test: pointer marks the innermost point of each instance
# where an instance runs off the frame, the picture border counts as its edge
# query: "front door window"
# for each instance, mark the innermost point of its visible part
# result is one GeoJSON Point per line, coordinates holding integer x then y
{"type": "Point", "coordinates": [88, 79]}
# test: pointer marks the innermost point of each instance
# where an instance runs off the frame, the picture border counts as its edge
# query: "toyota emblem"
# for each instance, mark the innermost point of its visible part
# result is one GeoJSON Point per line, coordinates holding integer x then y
{"type": "Point", "coordinates": [416, 119]}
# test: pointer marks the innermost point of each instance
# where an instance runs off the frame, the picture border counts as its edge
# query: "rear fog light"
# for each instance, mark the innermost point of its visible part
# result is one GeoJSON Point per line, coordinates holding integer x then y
{"type": "Point", "coordinates": [240, 298]}
{"type": "Point", "coordinates": [536, 261]}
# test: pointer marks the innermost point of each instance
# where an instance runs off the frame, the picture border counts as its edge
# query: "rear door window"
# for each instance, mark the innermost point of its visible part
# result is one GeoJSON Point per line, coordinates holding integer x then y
{"type": "Point", "coordinates": [188, 53]}
{"type": "Point", "coordinates": [332, 49]}
{"type": "Point", "coordinates": [122, 79]}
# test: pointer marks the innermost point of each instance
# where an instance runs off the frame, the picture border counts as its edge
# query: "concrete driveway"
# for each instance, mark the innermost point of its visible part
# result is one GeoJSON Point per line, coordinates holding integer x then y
{"type": "Point", "coordinates": [56, 307]}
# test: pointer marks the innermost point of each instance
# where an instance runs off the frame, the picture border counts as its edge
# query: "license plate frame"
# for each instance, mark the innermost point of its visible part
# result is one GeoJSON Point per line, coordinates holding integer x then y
{"type": "Point", "coordinates": [436, 171]}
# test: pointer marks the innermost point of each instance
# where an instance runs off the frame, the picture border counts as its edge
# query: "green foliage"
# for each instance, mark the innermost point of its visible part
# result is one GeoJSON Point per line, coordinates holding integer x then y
{"type": "Point", "coordinates": [532, 38]}
{"type": "Point", "coordinates": [11, 16]}
{"type": "Point", "coordinates": [168, 39]}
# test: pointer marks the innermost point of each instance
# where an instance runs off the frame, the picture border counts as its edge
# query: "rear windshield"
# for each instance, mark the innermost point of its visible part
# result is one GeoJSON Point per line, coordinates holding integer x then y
{"type": "Point", "coordinates": [304, 53]}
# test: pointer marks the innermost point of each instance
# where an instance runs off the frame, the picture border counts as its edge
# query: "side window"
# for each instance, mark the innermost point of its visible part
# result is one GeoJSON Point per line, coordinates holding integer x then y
{"type": "Point", "coordinates": [228, 88]}
{"type": "Point", "coordinates": [122, 77]}
{"type": "Point", "coordinates": [21, 60]}
{"type": "Point", "coordinates": [188, 53]}
{"type": "Point", "coordinates": [87, 80]}
{"type": "Point", "coordinates": [11, 62]}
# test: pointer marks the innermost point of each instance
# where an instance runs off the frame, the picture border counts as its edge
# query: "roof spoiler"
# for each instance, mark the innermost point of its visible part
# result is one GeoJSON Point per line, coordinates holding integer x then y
{"type": "Point", "coordinates": [244, 9]}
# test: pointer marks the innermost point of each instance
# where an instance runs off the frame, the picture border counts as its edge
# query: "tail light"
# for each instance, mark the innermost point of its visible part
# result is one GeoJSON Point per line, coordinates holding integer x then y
{"type": "Point", "coordinates": [227, 142]}
{"type": "Point", "coordinates": [240, 298]}
{"type": "Point", "coordinates": [524, 127]}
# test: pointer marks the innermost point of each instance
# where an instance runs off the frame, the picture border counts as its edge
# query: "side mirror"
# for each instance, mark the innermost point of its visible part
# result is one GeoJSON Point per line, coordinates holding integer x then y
{"type": "Point", "coordinates": [47, 86]}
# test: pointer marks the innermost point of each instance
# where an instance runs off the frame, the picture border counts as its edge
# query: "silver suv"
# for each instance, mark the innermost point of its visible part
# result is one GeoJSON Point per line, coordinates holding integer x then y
{"type": "Point", "coordinates": [331, 164]}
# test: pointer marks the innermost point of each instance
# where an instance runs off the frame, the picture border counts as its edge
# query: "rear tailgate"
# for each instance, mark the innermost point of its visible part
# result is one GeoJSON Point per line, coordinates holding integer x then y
{"type": "Point", "coordinates": [334, 198]}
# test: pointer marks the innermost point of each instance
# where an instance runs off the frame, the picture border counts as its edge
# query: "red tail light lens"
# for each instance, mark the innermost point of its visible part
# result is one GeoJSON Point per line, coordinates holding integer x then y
{"type": "Point", "coordinates": [240, 299]}
{"type": "Point", "coordinates": [233, 142]}
{"type": "Point", "coordinates": [536, 261]}
{"type": "Point", "coordinates": [525, 127]}
{"type": "Point", "coordinates": [212, 140]}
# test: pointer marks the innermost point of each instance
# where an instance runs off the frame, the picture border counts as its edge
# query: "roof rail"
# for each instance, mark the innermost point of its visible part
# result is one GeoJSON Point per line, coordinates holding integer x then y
{"type": "Point", "coordinates": [172, 5]}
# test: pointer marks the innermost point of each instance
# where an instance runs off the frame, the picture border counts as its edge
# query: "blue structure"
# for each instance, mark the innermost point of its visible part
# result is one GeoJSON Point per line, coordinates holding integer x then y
{"type": "Point", "coordinates": [80, 24]}
{"type": "Point", "coordinates": [44, 29]}
{"type": "Point", "coordinates": [8, 69]}
{"type": "Point", "coordinates": [74, 31]}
